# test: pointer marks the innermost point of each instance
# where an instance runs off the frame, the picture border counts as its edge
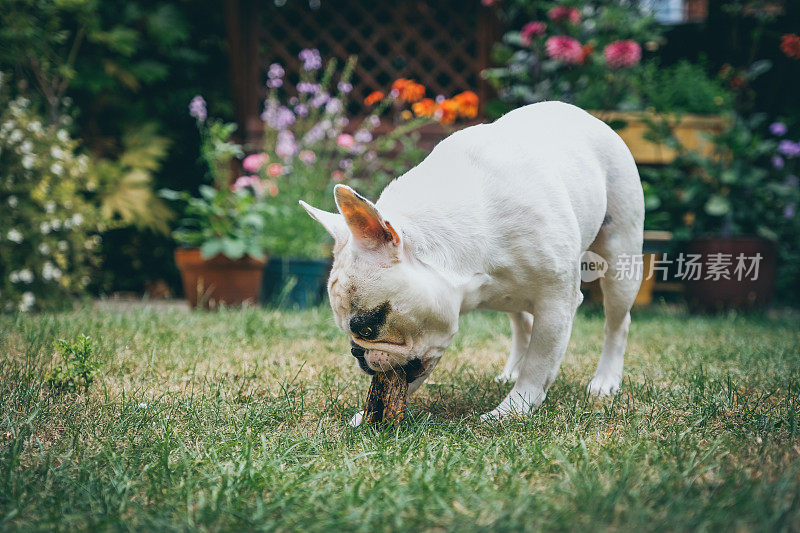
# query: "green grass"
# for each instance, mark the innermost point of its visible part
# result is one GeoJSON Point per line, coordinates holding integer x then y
{"type": "Point", "coordinates": [238, 420]}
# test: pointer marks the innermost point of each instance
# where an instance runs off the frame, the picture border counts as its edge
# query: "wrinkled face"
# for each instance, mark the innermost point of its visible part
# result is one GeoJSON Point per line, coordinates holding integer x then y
{"type": "Point", "coordinates": [384, 299]}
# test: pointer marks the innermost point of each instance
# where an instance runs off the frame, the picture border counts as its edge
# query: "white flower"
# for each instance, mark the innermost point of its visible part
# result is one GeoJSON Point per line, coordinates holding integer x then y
{"type": "Point", "coordinates": [35, 126]}
{"type": "Point", "coordinates": [77, 219]}
{"type": "Point", "coordinates": [56, 168]}
{"type": "Point", "coordinates": [55, 224]}
{"type": "Point", "coordinates": [26, 147]}
{"type": "Point", "coordinates": [56, 152]}
{"type": "Point", "coordinates": [62, 246]}
{"type": "Point", "coordinates": [14, 236]}
{"type": "Point", "coordinates": [44, 249]}
{"type": "Point", "coordinates": [27, 301]}
{"type": "Point", "coordinates": [16, 136]}
{"type": "Point", "coordinates": [25, 275]}
{"type": "Point", "coordinates": [13, 201]}
{"type": "Point", "coordinates": [62, 136]}
{"type": "Point", "coordinates": [143, 405]}
{"type": "Point", "coordinates": [45, 227]}
{"type": "Point", "coordinates": [28, 161]}
{"type": "Point", "coordinates": [49, 207]}
{"type": "Point", "coordinates": [50, 271]}
{"type": "Point", "coordinates": [13, 277]}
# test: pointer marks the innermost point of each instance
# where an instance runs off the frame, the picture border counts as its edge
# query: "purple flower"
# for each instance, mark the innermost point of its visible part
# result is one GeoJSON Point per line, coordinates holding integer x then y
{"type": "Point", "coordinates": [285, 146]}
{"type": "Point", "coordinates": [310, 58]}
{"type": "Point", "coordinates": [344, 164]}
{"type": "Point", "coordinates": [333, 106]}
{"type": "Point", "coordinates": [777, 162]}
{"type": "Point", "coordinates": [307, 87]}
{"type": "Point", "coordinates": [275, 71]}
{"type": "Point", "coordinates": [363, 136]}
{"type": "Point", "coordinates": [788, 148]}
{"type": "Point", "coordinates": [788, 211]}
{"type": "Point", "coordinates": [374, 121]}
{"type": "Point", "coordinates": [345, 87]}
{"type": "Point", "coordinates": [778, 128]}
{"type": "Point", "coordinates": [315, 134]}
{"type": "Point", "coordinates": [274, 83]}
{"type": "Point", "coordinates": [320, 99]}
{"type": "Point", "coordinates": [301, 110]}
{"type": "Point", "coordinates": [197, 108]}
{"type": "Point", "coordinates": [277, 116]}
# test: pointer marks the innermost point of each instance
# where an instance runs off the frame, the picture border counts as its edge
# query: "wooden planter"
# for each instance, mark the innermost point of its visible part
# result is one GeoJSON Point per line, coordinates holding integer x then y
{"type": "Point", "coordinates": [690, 130]}
{"type": "Point", "coordinates": [210, 283]}
{"type": "Point", "coordinates": [708, 294]}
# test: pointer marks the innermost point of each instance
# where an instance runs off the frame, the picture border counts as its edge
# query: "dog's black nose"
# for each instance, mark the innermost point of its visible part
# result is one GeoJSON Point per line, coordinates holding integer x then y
{"type": "Point", "coordinates": [358, 352]}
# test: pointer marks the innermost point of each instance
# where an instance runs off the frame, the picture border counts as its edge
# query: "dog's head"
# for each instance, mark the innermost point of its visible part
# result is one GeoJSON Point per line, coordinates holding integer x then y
{"type": "Point", "coordinates": [394, 307]}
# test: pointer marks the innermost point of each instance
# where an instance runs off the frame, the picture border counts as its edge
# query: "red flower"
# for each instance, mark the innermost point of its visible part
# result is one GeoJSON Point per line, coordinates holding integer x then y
{"type": "Point", "coordinates": [561, 13]}
{"type": "Point", "coordinates": [531, 30]}
{"type": "Point", "coordinates": [622, 54]}
{"type": "Point", "coordinates": [564, 48]}
{"type": "Point", "coordinates": [790, 45]}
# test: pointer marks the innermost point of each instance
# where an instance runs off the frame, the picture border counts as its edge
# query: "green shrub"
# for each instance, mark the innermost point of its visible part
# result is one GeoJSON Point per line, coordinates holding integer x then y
{"type": "Point", "coordinates": [48, 222]}
{"type": "Point", "coordinates": [77, 365]}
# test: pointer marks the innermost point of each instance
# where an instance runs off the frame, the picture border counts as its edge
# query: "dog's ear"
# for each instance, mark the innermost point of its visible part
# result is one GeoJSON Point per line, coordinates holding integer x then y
{"type": "Point", "coordinates": [332, 222]}
{"type": "Point", "coordinates": [370, 230]}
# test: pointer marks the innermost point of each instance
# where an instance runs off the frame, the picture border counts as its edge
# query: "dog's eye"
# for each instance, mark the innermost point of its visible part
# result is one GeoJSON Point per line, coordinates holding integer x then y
{"type": "Point", "coordinates": [365, 332]}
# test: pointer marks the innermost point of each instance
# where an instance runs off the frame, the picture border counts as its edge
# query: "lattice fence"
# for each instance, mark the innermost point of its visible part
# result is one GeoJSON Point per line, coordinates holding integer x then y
{"type": "Point", "coordinates": [442, 44]}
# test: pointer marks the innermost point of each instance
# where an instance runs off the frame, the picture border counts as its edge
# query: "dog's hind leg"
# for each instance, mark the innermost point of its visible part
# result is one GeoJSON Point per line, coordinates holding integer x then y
{"type": "Point", "coordinates": [620, 244]}
{"type": "Point", "coordinates": [521, 324]}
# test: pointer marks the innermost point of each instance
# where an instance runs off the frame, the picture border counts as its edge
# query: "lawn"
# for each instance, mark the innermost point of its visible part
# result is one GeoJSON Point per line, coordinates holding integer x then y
{"type": "Point", "coordinates": [237, 420]}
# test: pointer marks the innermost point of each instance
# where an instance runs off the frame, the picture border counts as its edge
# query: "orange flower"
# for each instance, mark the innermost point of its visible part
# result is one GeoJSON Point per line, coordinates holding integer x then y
{"type": "Point", "coordinates": [586, 50]}
{"type": "Point", "coordinates": [373, 98]}
{"type": "Point", "coordinates": [407, 90]}
{"type": "Point", "coordinates": [424, 108]}
{"type": "Point", "coordinates": [467, 104]}
{"type": "Point", "coordinates": [447, 111]}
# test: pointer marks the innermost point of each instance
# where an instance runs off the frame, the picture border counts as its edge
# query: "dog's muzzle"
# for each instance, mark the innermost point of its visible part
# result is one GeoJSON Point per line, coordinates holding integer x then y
{"type": "Point", "coordinates": [413, 369]}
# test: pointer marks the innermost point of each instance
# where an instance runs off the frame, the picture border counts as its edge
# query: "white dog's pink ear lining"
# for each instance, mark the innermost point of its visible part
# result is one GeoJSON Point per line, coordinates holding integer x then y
{"type": "Point", "coordinates": [367, 225]}
{"type": "Point", "coordinates": [333, 223]}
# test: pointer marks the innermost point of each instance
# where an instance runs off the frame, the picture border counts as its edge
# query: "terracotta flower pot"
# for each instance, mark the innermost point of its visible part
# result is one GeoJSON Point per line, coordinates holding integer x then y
{"type": "Point", "coordinates": [736, 289]}
{"type": "Point", "coordinates": [209, 283]}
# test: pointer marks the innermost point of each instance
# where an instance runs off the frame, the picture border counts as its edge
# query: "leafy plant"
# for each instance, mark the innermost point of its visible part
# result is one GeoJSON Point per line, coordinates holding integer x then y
{"type": "Point", "coordinates": [221, 221]}
{"type": "Point", "coordinates": [125, 184]}
{"type": "Point", "coordinates": [48, 218]}
{"type": "Point", "coordinates": [76, 367]}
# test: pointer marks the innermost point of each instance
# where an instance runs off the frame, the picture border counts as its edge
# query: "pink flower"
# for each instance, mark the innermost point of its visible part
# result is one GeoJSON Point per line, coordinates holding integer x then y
{"type": "Point", "coordinates": [564, 48]}
{"type": "Point", "coordinates": [253, 162]}
{"type": "Point", "coordinates": [564, 13]}
{"type": "Point", "coordinates": [337, 175]}
{"type": "Point", "coordinates": [275, 169]}
{"type": "Point", "coordinates": [272, 188]}
{"type": "Point", "coordinates": [345, 140]}
{"type": "Point", "coordinates": [307, 156]}
{"type": "Point", "coordinates": [531, 30]}
{"type": "Point", "coordinates": [488, 3]}
{"type": "Point", "coordinates": [622, 54]}
{"type": "Point", "coordinates": [246, 181]}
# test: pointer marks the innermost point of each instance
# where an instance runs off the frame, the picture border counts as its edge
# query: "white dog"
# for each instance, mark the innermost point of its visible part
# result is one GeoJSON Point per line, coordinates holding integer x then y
{"type": "Point", "coordinates": [496, 217]}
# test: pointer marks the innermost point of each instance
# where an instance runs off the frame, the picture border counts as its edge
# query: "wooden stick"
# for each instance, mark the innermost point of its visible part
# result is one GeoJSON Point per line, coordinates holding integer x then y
{"type": "Point", "coordinates": [387, 397]}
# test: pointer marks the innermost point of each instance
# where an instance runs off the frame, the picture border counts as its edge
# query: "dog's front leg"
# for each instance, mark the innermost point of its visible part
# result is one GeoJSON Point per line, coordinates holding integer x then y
{"type": "Point", "coordinates": [540, 364]}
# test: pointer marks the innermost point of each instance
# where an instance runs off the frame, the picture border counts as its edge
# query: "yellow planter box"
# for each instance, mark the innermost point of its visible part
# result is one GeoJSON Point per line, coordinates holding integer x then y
{"type": "Point", "coordinates": [689, 129]}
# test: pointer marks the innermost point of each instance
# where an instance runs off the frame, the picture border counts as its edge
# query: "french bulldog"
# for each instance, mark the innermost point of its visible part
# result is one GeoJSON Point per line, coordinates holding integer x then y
{"type": "Point", "coordinates": [496, 217]}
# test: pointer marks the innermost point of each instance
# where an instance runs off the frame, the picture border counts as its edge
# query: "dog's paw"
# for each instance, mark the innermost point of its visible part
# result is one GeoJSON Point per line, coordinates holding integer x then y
{"type": "Point", "coordinates": [357, 418]}
{"type": "Point", "coordinates": [517, 403]}
{"type": "Point", "coordinates": [507, 377]}
{"type": "Point", "coordinates": [604, 385]}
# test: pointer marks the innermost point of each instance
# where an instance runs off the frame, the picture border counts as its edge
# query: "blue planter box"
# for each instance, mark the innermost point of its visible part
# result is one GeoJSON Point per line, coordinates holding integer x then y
{"type": "Point", "coordinates": [298, 283]}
